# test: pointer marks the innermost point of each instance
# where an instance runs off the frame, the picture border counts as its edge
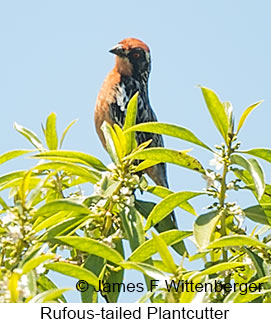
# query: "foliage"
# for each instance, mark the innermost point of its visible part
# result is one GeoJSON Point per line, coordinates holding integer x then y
{"type": "Point", "coordinates": [49, 224]}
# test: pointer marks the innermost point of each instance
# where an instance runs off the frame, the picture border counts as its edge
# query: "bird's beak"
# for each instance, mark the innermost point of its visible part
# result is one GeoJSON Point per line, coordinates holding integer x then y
{"type": "Point", "coordinates": [117, 50]}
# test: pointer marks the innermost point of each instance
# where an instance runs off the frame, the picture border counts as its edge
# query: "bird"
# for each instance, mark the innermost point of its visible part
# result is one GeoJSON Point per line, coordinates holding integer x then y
{"type": "Point", "coordinates": [130, 75]}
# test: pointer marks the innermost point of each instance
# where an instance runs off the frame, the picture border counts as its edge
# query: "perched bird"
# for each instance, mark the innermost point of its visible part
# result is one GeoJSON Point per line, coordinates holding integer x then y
{"type": "Point", "coordinates": [130, 75]}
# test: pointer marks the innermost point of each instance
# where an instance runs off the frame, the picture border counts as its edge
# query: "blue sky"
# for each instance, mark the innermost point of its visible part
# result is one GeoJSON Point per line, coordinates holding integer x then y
{"type": "Point", "coordinates": [54, 57]}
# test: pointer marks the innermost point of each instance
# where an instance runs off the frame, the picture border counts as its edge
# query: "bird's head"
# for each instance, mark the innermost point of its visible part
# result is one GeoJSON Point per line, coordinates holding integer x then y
{"type": "Point", "coordinates": [133, 58]}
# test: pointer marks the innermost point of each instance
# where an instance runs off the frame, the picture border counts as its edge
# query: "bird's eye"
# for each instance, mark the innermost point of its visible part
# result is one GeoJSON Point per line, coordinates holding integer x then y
{"type": "Point", "coordinates": [136, 55]}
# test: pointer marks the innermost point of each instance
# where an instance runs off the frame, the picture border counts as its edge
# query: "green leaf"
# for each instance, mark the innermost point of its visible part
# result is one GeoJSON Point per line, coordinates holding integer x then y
{"type": "Point", "coordinates": [17, 182]}
{"type": "Point", "coordinates": [50, 132]}
{"type": "Point", "coordinates": [121, 139]}
{"type": "Point", "coordinates": [149, 248]}
{"type": "Point", "coordinates": [4, 206]}
{"type": "Point", "coordinates": [93, 247]}
{"type": "Point", "coordinates": [236, 240]}
{"type": "Point", "coordinates": [113, 276]}
{"type": "Point", "coordinates": [65, 227]}
{"type": "Point", "coordinates": [257, 261]}
{"type": "Point", "coordinates": [163, 192]}
{"type": "Point", "coordinates": [169, 130]}
{"type": "Point", "coordinates": [65, 132]}
{"type": "Point", "coordinates": [246, 113]}
{"type": "Point", "coordinates": [32, 283]}
{"type": "Point", "coordinates": [44, 284]}
{"type": "Point", "coordinates": [249, 297]}
{"type": "Point", "coordinates": [263, 153]}
{"type": "Point", "coordinates": [10, 177]}
{"type": "Point", "coordinates": [259, 213]}
{"type": "Point", "coordinates": [255, 170]}
{"type": "Point", "coordinates": [144, 207]}
{"type": "Point", "coordinates": [13, 286]}
{"type": "Point", "coordinates": [133, 227]}
{"type": "Point", "coordinates": [95, 264]}
{"type": "Point", "coordinates": [164, 155]}
{"type": "Point", "coordinates": [71, 169]}
{"type": "Point", "coordinates": [165, 207]}
{"type": "Point", "coordinates": [229, 112]}
{"type": "Point", "coordinates": [146, 269]}
{"type": "Point", "coordinates": [245, 176]}
{"type": "Point", "coordinates": [204, 227]}
{"type": "Point", "coordinates": [146, 164]}
{"type": "Point", "coordinates": [73, 157]}
{"type": "Point", "coordinates": [52, 220]}
{"type": "Point", "coordinates": [130, 120]}
{"type": "Point", "coordinates": [74, 271]}
{"type": "Point", "coordinates": [164, 253]}
{"type": "Point", "coordinates": [30, 135]}
{"type": "Point", "coordinates": [49, 295]}
{"type": "Point", "coordinates": [25, 185]}
{"type": "Point", "coordinates": [166, 224]}
{"type": "Point", "coordinates": [35, 262]}
{"type": "Point", "coordinates": [217, 111]}
{"type": "Point", "coordinates": [113, 145]}
{"type": "Point", "coordinates": [236, 297]}
{"type": "Point", "coordinates": [217, 268]}
{"type": "Point", "coordinates": [56, 206]}
{"type": "Point", "coordinates": [13, 154]}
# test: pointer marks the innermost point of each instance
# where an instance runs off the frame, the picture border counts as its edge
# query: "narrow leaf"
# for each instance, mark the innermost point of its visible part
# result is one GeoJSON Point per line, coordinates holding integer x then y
{"type": "Point", "coordinates": [52, 220]}
{"type": "Point", "coordinates": [146, 269]}
{"type": "Point", "coordinates": [146, 164]}
{"type": "Point", "coordinates": [130, 120]}
{"type": "Point", "coordinates": [50, 132]}
{"type": "Point", "coordinates": [65, 227]}
{"type": "Point", "coordinates": [74, 271]}
{"type": "Point", "coordinates": [257, 261]}
{"type": "Point", "coordinates": [165, 207]}
{"type": "Point", "coordinates": [121, 139]}
{"type": "Point", "coordinates": [259, 213]}
{"type": "Point", "coordinates": [11, 176]}
{"type": "Point", "coordinates": [133, 227]}
{"type": "Point", "coordinates": [254, 169]}
{"type": "Point", "coordinates": [71, 169]}
{"type": "Point", "coordinates": [169, 130]}
{"type": "Point", "coordinates": [13, 154]}
{"type": "Point", "coordinates": [65, 132]}
{"type": "Point", "coordinates": [49, 295]}
{"type": "Point", "coordinates": [72, 156]}
{"type": "Point", "coordinates": [30, 135]}
{"type": "Point", "coordinates": [246, 113]}
{"type": "Point", "coordinates": [113, 145]}
{"type": "Point", "coordinates": [61, 205]}
{"type": "Point", "coordinates": [217, 268]}
{"type": "Point", "coordinates": [204, 227]}
{"type": "Point", "coordinates": [263, 153]}
{"type": "Point", "coordinates": [35, 262]}
{"type": "Point", "coordinates": [164, 253]}
{"type": "Point", "coordinates": [236, 240]}
{"type": "Point", "coordinates": [217, 111]}
{"type": "Point", "coordinates": [44, 283]}
{"type": "Point", "coordinates": [149, 248]}
{"type": "Point", "coordinates": [93, 247]}
{"type": "Point", "coordinates": [163, 192]}
{"type": "Point", "coordinates": [96, 265]}
{"type": "Point", "coordinates": [164, 155]}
